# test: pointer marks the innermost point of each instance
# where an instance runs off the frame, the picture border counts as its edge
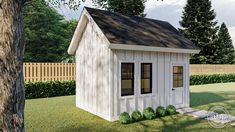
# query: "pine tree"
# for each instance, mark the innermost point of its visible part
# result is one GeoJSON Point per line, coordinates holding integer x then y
{"type": "Point", "coordinates": [199, 26]}
{"type": "Point", "coordinates": [225, 50]}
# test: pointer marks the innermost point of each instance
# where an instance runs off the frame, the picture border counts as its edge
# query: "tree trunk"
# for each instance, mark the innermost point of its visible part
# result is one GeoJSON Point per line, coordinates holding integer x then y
{"type": "Point", "coordinates": [12, 98]}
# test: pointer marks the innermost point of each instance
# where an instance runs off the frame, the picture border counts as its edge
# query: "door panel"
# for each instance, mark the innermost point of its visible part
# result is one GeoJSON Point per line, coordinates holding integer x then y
{"type": "Point", "coordinates": [178, 96]}
{"type": "Point", "coordinates": [177, 82]}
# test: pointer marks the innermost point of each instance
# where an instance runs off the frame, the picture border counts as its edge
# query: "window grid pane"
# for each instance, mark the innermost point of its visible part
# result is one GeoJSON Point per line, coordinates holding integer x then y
{"type": "Point", "coordinates": [178, 76]}
{"type": "Point", "coordinates": [127, 79]}
{"type": "Point", "coordinates": [146, 78]}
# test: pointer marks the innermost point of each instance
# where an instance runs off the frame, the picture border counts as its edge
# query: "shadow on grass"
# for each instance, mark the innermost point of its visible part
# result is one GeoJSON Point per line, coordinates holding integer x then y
{"type": "Point", "coordinates": [175, 123]}
{"type": "Point", "coordinates": [181, 123]}
{"type": "Point", "coordinates": [203, 98]}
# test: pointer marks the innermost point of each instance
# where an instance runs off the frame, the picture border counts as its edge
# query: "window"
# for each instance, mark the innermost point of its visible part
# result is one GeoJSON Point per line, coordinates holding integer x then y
{"type": "Point", "coordinates": [127, 79]}
{"type": "Point", "coordinates": [146, 78]}
{"type": "Point", "coordinates": [178, 76]}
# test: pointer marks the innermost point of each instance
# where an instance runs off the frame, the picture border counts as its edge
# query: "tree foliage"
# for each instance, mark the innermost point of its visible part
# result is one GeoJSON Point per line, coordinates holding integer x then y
{"type": "Point", "coordinates": [47, 33]}
{"type": "Point", "coordinates": [128, 7]}
{"type": "Point", "coordinates": [224, 53]}
{"type": "Point", "coordinates": [69, 29]}
{"type": "Point", "coordinates": [72, 4]}
{"type": "Point", "coordinates": [199, 25]}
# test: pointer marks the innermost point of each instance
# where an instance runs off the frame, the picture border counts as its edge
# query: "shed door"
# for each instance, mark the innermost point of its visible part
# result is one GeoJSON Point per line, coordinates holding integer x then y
{"type": "Point", "coordinates": [178, 85]}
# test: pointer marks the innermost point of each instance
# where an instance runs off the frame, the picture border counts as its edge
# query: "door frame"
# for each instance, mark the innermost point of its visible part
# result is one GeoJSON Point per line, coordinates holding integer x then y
{"type": "Point", "coordinates": [172, 96]}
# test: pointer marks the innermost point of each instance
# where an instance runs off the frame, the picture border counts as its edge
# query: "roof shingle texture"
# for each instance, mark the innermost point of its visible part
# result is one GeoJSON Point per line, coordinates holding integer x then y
{"type": "Point", "coordinates": [133, 30]}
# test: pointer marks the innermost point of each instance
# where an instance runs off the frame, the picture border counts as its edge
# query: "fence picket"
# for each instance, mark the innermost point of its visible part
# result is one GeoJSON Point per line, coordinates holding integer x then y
{"type": "Point", "coordinates": [34, 72]}
{"type": "Point", "coordinates": [67, 71]}
{"type": "Point", "coordinates": [200, 69]}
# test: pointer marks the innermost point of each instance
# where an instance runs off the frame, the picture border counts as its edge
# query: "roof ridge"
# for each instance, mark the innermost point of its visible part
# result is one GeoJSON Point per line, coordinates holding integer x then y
{"type": "Point", "coordinates": [125, 14]}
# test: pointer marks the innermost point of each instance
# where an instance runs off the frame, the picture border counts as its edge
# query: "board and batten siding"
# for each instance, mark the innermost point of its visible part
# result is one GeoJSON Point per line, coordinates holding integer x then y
{"type": "Point", "coordinates": [98, 78]}
{"type": "Point", "coordinates": [92, 72]}
{"type": "Point", "coordinates": [161, 75]}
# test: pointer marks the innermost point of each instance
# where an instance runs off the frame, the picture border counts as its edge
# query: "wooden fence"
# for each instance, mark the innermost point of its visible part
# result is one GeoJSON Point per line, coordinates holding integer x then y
{"type": "Point", "coordinates": [34, 72]}
{"type": "Point", "coordinates": [211, 69]}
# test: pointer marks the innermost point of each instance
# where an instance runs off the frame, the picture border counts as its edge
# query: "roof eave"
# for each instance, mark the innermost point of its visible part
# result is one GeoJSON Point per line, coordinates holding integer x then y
{"type": "Point", "coordinates": [78, 33]}
{"type": "Point", "coordinates": [152, 48]}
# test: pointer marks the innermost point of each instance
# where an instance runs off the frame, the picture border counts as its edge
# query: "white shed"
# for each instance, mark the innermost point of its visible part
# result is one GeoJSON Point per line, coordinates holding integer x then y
{"type": "Point", "coordinates": [125, 63]}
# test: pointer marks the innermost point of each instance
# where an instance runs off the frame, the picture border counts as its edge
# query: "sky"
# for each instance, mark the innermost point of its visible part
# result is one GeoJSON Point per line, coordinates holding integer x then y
{"type": "Point", "coordinates": [171, 11]}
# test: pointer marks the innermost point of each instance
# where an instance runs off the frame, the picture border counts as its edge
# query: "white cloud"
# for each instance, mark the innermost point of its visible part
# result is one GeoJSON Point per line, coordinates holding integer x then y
{"type": "Point", "coordinates": [224, 11]}
{"type": "Point", "coordinates": [156, 3]}
{"type": "Point", "coordinates": [166, 13]}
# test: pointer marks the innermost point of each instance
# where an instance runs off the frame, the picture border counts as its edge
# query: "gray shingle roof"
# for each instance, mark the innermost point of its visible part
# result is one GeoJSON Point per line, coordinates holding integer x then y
{"type": "Point", "coordinates": [133, 30]}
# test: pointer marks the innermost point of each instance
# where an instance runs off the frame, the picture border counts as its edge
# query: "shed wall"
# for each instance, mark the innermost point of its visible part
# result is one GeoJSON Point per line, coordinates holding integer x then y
{"type": "Point", "coordinates": [92, 72]}
{"type": "Point", "coordinates": [161, 91]}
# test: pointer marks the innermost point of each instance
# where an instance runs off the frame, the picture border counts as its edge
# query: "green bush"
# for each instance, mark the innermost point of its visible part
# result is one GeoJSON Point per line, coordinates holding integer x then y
{"type": "Point", "coordinates": [136, 116]}
{"type": "Point", "coordinates": [208, 79]}
{"type": "Point", "coordinates": [49, 89]}
{"type": "Point", "coordinates": [171, 110]}
{"type": "Point", "coordinates": [124, 118]}
{"type": "Point", "coordinates": [160, 111]}
{"type": "Point", "coordinates": [149, 113]}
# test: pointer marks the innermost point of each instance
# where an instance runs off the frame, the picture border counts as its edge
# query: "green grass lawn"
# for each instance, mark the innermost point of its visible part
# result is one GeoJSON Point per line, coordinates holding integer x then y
{"type": "Point", "coordinates": [60, 114]}
{"type": "Point", "coordinates": [206, 96]}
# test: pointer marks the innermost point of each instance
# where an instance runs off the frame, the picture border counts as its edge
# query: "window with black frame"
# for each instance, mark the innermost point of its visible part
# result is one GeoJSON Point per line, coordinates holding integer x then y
{"type": "Point", "coordinates": [178, 75]}
{"type": "Point", "coordinates": [146, 78]}
{"type": "Point", "coordinates": [127, 79]}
